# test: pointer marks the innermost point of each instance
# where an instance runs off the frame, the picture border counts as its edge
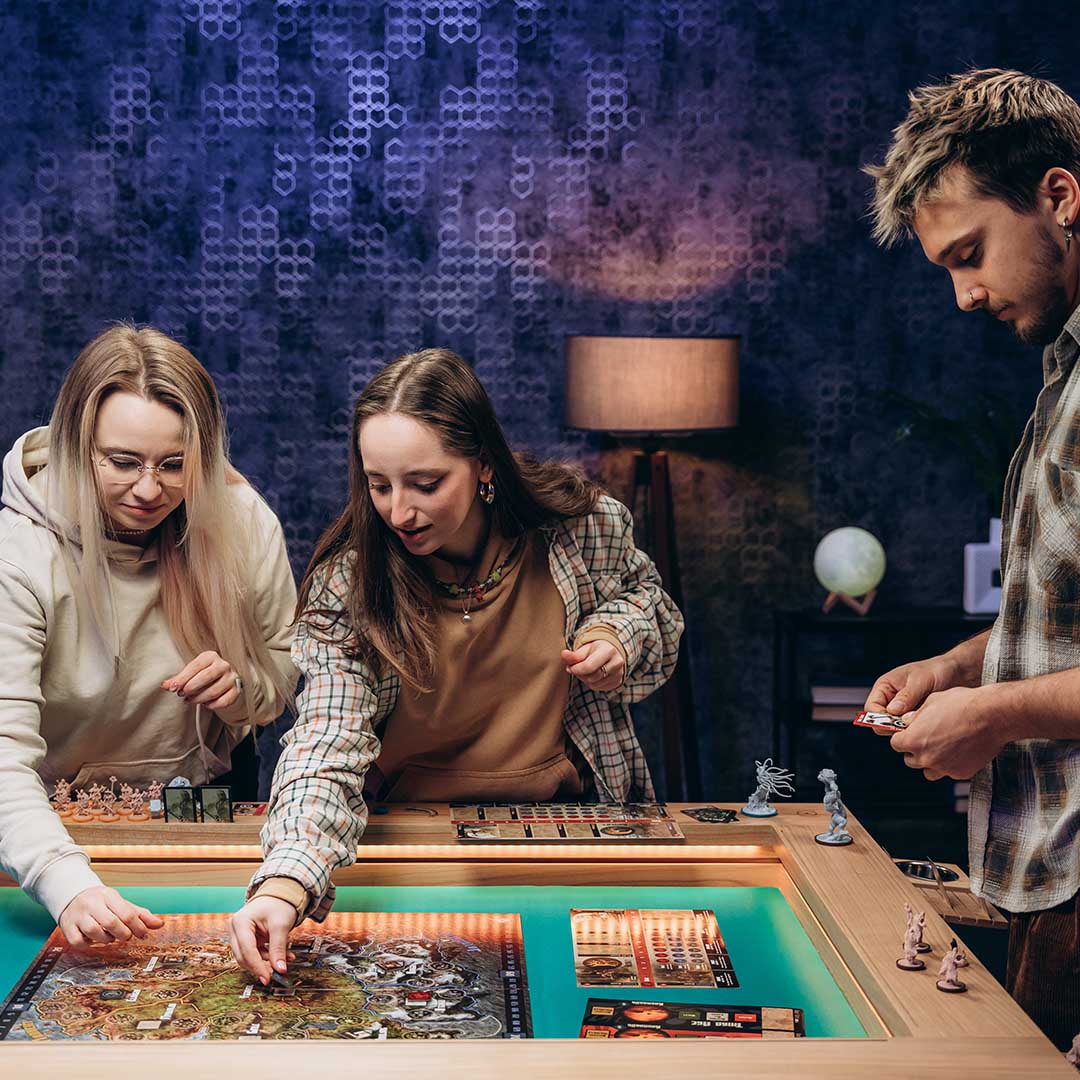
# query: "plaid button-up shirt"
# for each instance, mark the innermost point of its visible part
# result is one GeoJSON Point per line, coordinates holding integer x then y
{"type": "Point", "coordinates": [317, 812]}
{"type": "Point", "coordinates": [1024, 812]}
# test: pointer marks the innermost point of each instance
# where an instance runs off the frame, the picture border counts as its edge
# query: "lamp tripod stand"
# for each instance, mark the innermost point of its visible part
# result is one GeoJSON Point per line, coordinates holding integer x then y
{"type": "Point", "coordinates": [682, 765]}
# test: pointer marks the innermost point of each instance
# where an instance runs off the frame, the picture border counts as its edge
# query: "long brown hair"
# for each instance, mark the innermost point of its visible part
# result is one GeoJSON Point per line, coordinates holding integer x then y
{"type": "Point", "coordinates": [389, 611]}
{"type": "Point", "coordinates": [205, 545]}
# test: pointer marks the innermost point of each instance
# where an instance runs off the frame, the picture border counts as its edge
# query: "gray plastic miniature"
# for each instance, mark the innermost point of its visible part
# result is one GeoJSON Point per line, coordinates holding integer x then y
{"type": "Point", "coordinates": [771, 780]}
{"type": "Point", "coordinates": [834, 805]}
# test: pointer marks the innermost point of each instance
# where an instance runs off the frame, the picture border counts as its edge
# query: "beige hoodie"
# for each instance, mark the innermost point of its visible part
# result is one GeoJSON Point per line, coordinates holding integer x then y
{"type": "Point", "coordinates": [75, 706]}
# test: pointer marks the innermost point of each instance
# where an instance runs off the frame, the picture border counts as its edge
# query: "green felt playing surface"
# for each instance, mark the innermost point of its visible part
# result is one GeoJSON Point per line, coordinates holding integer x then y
{"type": "Point", "coordinates": [774, 960]}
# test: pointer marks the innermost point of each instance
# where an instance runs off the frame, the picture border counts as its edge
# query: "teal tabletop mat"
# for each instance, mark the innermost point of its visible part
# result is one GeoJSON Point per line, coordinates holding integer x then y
{"type": "Point", "coordinates": [774, 960]}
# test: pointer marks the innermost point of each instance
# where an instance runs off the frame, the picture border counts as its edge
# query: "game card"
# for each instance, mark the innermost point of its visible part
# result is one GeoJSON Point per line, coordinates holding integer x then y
{"type": "Point", "coordinates": [880, 721]}
{"type": "Point", "coordinates": [650, 948]}
{"type": "Point", "coordinates": [619, 1019]}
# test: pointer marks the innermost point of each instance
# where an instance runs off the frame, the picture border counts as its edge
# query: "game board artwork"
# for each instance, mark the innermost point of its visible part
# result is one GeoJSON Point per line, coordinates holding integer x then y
{"type": "Point", "coordinates": [361, 975]}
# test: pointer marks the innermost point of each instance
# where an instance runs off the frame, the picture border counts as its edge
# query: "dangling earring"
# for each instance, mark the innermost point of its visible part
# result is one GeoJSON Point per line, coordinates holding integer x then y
{"type": "Point", "coordinates": [1067, 227]}
{"type": "Point", "coordinates": [487, 491]}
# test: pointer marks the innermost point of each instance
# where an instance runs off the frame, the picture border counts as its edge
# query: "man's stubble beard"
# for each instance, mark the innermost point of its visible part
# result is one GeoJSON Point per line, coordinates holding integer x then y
{"type": "Point", "coordinates": [1049, 295]}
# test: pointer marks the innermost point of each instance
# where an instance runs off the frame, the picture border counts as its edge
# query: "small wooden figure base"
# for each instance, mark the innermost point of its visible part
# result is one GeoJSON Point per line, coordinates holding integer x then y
{"type": "Point", "coordinates": [860, 607]}
{"type": "Point", "coordinates": [947, 987]}
{"type": "Point", "coordinates": [913, 965]}
{"type": "Point", "coordinates": [768, 811]}
{"type": "Point", "coordinates": [924, 947]}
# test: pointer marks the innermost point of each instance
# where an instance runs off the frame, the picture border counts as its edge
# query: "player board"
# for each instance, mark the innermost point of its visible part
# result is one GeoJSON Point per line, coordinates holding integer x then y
{"type": "Point", "coordinates": [563, 821]}
{"type": "Point", "coordinates": [360, 975]}
{"type": "Point", "coordinates": [649, 948]}
{"type": "Point", "coordinates": [620, 1019]}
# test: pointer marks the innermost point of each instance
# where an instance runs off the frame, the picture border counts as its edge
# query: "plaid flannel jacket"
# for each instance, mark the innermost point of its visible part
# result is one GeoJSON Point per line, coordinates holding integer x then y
{"type": "Point", "coordinates": [317, 812]}
{"type": "Point", "coordinates": [1024, 811]}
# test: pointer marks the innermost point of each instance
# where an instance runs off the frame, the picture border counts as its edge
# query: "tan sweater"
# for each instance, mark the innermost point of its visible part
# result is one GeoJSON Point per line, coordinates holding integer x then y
{"type": "Point", "coordinates": [77, 707]}
{"type": "Point", "coordinates": [492, 726]}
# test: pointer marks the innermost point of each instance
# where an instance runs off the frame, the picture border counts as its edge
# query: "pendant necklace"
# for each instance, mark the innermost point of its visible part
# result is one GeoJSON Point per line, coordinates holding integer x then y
{"type": "Point", "coordinates": [471, 594]}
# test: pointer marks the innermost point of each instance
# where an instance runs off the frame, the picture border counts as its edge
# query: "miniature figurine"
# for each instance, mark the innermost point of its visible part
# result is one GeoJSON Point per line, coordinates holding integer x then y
{"type": "Point", "coordinates": [947, 982]}
{"type": "Point", "coordinates": [108, 802]}
{"type": "Point", "coordinates": [96, 791]}
{"type": "Point", "coordinates": [1073, 1055]}
{"type": "Point", "coordinates": [771, 780]}
{"type": "Point", "coordinates": [834, 805]}
{"type": "Point", "coordinates": [154, 798]}
{"type": "Point", "coordinates": [137, 811]}
{"type": "Point", "coordinates": [919, 922]}
{"type": "Point", "coordinates": [82, 807]}
{"type": "Point", "coordinates": [126, 791]}
{"type": "Point", "coordinates": [910, 960]}
{"type": "Point", "coordinates": [62, 798]}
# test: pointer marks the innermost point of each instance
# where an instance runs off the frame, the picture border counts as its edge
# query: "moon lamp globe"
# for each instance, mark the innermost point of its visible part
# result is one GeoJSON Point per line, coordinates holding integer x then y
{"type": "Point", "coordinates": [849, 563]}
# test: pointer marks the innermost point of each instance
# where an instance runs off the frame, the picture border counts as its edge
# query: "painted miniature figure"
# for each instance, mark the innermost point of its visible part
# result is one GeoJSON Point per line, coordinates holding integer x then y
{"type": "Point", "coordinates": [771, 780]}
{"type": "Point", "coordinates": [834, 805]}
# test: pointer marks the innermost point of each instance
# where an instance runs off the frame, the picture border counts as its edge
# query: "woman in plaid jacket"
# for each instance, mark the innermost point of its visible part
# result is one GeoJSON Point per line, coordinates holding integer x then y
{"type": "Point", "coordinates": [473, 627]}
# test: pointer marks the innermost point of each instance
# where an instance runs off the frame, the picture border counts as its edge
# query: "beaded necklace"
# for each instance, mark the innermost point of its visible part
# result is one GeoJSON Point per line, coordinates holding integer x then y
{"type": "Point", "coordinates": [471, 594]}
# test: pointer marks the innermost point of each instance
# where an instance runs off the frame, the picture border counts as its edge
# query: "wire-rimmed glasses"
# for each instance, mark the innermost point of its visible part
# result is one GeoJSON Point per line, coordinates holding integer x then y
{"type": "Point", "coordinates": [128, 469]}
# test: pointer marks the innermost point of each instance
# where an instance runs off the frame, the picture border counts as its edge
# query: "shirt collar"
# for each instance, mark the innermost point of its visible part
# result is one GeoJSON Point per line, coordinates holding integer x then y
{"type": "Point", "coordinates": [1059, 357]}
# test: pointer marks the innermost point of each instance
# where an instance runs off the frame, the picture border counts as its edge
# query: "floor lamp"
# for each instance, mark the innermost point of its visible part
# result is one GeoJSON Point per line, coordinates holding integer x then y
{"type": "Point", "coordinates": [653, 389]}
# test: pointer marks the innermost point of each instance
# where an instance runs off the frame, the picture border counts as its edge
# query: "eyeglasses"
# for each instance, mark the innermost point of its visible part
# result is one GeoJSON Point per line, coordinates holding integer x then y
{"type": "Point", "coordinates": [125, 469]}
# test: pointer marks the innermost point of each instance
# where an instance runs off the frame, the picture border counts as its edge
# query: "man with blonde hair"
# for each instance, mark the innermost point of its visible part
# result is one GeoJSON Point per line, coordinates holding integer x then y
{"type": "Point", "coordinates": [985, 173]}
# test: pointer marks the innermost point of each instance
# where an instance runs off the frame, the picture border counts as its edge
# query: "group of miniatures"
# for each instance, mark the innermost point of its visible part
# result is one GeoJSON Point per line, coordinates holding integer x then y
{"type": "Point", "coordinates": [100, 803]}
{"type": "Point", "coordinates": [177, 801]}
{"type": "Point", "coordinates": [773, 780]}
{"type": "Point", "coordinates": [913, 944]}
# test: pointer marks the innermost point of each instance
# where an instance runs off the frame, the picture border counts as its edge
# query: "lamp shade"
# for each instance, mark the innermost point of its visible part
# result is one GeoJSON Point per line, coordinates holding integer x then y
{"type": "Point", "coordinates": [652, 385]}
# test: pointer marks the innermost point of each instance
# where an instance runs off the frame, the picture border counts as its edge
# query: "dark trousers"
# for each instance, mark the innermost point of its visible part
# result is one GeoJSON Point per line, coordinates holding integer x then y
{"type": "Point", "coordinates": [1043, 969]}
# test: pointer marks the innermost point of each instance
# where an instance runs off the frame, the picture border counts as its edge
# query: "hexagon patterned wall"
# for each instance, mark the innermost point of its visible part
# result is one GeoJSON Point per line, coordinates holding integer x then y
{"type": "Point", "coordinates": [300, 191]}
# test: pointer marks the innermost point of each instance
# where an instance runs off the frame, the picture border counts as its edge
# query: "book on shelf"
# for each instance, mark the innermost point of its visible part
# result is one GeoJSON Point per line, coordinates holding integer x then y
{"type": "Point", "coordinates": [835, 712]}
{"type": "Point", "coordinates": [839, 693]}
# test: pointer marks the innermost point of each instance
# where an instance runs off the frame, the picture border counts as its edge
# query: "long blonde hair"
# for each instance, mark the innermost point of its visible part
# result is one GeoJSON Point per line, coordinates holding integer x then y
{"type": "Point", "coordinates": [205, 546]}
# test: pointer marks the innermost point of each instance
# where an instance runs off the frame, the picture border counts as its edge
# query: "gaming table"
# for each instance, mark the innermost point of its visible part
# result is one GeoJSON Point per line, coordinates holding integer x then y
{"type": "Point", "coordinates": [806, 926]}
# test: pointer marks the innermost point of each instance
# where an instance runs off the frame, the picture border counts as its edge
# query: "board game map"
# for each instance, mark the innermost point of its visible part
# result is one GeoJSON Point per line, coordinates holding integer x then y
{"type": "Point", "coordinates": [358, 975]}
{"type": "Point", "coordinates": [614, 1019]}
{"type": "Point", "coordinates": [563, 821]}
{"type": "Point", "coordinates": [655, 948]}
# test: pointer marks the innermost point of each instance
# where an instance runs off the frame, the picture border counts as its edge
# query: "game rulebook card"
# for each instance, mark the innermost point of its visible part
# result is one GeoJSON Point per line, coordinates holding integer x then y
{"type": "Point", "coordinates": [614, 1019]}
{"type": "Point", "coordinates": [563, 821]}
{"type": "Point", "coordinates": [649, 948]}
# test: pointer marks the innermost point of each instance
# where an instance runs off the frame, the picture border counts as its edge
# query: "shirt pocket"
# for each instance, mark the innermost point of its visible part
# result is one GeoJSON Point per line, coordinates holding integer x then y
{"type": "Point", "coordinates": [1055, 542]}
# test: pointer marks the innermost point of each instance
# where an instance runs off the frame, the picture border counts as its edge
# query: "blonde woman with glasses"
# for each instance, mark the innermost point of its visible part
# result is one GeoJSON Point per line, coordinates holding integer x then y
{"type": "Point", "coordinates": [145, 609]}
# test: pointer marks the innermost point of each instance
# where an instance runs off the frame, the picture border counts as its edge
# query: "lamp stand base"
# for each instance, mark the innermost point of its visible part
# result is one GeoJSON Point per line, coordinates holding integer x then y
{"type": "Point", "coordinates": [860, 607]}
